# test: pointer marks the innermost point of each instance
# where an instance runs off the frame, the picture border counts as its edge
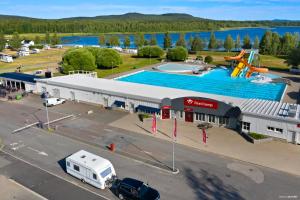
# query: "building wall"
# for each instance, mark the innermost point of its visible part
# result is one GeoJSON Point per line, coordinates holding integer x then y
{"type": "Point", "coordinates": [260, 125]}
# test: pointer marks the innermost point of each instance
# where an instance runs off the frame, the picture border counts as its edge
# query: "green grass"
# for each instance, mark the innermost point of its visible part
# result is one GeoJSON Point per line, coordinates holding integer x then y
{"type": "Point", "coordinates": [129, 63]}
{"type": "Point", "coordinates": [257, 136]}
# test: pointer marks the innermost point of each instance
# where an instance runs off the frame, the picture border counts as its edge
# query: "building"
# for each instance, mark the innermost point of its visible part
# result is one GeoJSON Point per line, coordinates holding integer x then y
{"type": "Point", "coordinates": [27, 43]}
{"type": "Point", "coordinates": [23, 53]}
{"type": "Point", "coordinates": [246, 115]}
{"type": "Point", "coordinates": [21, 81]}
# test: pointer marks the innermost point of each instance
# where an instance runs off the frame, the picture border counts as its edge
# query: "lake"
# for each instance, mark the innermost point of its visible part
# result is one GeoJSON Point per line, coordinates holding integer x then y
{"type": "Point", "coordinates": [220, 35]}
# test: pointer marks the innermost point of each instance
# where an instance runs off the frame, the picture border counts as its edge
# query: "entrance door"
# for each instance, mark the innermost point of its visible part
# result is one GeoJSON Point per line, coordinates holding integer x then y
{"type": "Point", "coordinates": [72, 96]}
{"type": "Point", "coordinates": [189, 116]}
{"type": "Point", "coordinates": [165, 114]}
{"type": "Point", "coordinates": [291, 137]}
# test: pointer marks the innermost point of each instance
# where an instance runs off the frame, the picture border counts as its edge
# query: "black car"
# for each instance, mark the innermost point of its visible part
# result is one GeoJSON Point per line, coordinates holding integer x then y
{"type": "Point", "coordinates": [132, 189]}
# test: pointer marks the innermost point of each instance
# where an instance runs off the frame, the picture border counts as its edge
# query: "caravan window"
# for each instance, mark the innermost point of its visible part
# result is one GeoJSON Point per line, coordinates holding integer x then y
{"type": "Point", "coordinates": [95, 176]}
{"type": "Point", "coordinates": [76, 168]}
{"type": "Point", "coordinates": [68, 164]}
{"type": "Point", "coordinates": [106, 172]}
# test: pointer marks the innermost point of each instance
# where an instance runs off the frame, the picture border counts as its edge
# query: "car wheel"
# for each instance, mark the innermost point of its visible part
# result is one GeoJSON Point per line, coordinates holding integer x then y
{"type": "Point", "coordinates": [121, 196]}
{"type": "Point", "coordinates": [82, 180]}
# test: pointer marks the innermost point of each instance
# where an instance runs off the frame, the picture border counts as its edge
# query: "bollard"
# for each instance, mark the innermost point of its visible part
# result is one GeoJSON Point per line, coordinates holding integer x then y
{"type": "Point", "coordinates": [112, 147]}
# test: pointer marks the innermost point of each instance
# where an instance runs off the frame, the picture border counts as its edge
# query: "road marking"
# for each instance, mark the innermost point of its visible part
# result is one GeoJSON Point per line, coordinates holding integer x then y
{"type": "Point", "coordinates": [18, 147]}
{"type": "Point", "coordinates": [13, 144]}
{"type": "Point", "coordinates": [108, 130]}
{"type": "Point", "coordinates": [37, 151]}
{"type": "Point", "coordinates": [53, 174]}
{"type": "Point", "coordinates": [147, 152]}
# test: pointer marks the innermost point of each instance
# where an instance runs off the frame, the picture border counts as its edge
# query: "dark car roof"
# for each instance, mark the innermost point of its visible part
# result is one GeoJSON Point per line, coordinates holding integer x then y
{"type": "Point", "coordinates": [133, 182]}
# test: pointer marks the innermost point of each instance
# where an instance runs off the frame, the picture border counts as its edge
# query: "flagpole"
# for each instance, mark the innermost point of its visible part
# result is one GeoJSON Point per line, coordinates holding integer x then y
{"type": "Point", "coordinates": [173, 154]}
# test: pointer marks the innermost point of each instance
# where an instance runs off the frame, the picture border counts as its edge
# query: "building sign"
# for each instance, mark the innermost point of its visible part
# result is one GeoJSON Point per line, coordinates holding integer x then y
{"type": "Point", "coordinates": [200, 103]}
{"type": "Point", "coordinates": [166, 107]}
{"type": "Point", "coordinates": [188, 109]}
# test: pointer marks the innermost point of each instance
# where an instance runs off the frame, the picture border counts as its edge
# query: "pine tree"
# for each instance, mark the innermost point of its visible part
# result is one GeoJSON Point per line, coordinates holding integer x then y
{"type": "Point", "coordinates": [190, 42]}
{"type": "Point", "coordinates": [238, 42]}
{"type": "Point", "coordinates": [127, 41]}
{"type": "Point", "coordinates": [212, 41]}
{"type": "Point", "coordinates": [181, 41]}
{"type": "Point", "coordinates": [288, 43]}
{"type": "Point", "coordinates": [15, 41]}
{"type": "Point", "coordinates": [139, 40]}
{"type": "Point", "coordinates": [197, 44]}
{"type": "Point", "coordinates": [228, 43]}
{"type": "Point", "coordinates": [114, 40]}
{"type": "Point", "coordinates": [102, 41]}
{"type": "Point", "coordinates": [153, 41]}
{"type": "Point", "coordinates": [37, 40]}
{"type": "Point", "coordinates": [247, 42]}
{"type": "Point", "coordinates": [47, 38]}
{"type": "Point", "coordinates": [55, 39]}
{"type": "Point", "coordinates": [275, 44]}
{"type": "Point", "coordinates": [2, 41]}
{"type": "Point", "coordinates": [265, 44]}
{"type": "Point", "coordinates": [167, 41]}
{"type": "Point", "coordinates": [256, 43]}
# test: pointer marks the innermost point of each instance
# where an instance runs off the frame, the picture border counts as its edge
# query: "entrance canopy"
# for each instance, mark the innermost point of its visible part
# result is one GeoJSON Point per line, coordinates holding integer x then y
{"type": "Point", "coordinates": [201, 105]}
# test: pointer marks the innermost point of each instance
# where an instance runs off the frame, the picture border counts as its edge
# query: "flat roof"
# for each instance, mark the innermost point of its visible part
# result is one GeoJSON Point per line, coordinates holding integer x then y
{"type": "Point", "coordinates": [85, 158]}
{"type": "Point", "coordinates": [131, 90]}
{"type": "Point", "coordinates": [20, 77]}
{"type": "Point", "coordinates": [274, 109]}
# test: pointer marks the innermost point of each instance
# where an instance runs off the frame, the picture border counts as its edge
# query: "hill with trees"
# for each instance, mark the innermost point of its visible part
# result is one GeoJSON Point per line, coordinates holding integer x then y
{"type": "Point", "coordinates": [130, 22]}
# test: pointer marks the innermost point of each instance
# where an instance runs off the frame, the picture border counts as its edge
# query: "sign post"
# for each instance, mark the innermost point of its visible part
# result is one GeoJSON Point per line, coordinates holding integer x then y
{"type": "Point", "coordinates": [174, 138]}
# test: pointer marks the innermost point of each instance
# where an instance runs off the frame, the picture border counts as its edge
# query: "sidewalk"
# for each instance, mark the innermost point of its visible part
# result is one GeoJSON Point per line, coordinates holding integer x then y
{"type": "Point", "coordinates": [277, 155]}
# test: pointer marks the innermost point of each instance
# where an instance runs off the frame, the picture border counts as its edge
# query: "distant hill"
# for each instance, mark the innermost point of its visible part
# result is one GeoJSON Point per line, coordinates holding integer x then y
{"type": "Point", "coordinates": [129, 22]}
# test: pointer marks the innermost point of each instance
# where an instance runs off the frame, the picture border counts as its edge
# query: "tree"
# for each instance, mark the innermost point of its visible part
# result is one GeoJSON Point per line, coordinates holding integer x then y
{"type": "Point", "coordinates": [37, 40]}
{"type": "Point", "coordinates": [288, 43]}
{"type": "Point", "coordinates": [55, 39]}
{"type": "Point", "coordinates": [266, 43]}
{"type": "Point", "coordinates": [212, 41]}
{"type": "Point", "coordinates": [197, 44]}
{"type": "Point", "coordinates": [228, 43]}
{"type": "Point", "coordinates": [238, 42]}
{"type": "Point", "coordinates": [208, 59]}
{"type": "Point", "coordinates": [167, 41]}
{"type": "Point", "coordinates": [146, 42]}
{"type": "Point", "coordinates": [78, 59]}
{"type": "Point", "coordinates": [153, 40]}
{"type": "Point", "coordinates": [150, 52]}
{"type": "Point", "coordinates": [127, 41]}
{"type": "Point", "coordinates": [247, 42]}
{"type": "Point", "coordinates": [177, 54]}
{"type": "Point", "coordinates": [190, 42]}
{"type": "Point", "coordinates": [94, 50]}
{"type": "Point", "coordinates": [293, 58]}
{"type": "Point", "coordinates": [256, 43]}
{"type": "Point", "coordinates": [181, 41]}
{"type": "Point", "coordinates": [2, 41]}
{"type": "Point", "coordinates": [15, 41]}
{"type": "Point", "coordinates": [108, 58]}
{"type": "Point", "coordinates": [114, 40]}
{"type": "Point", "coordinates": [102, 41]}
{"type": "Point", "coordinates": [275, 44]}
{"type": "Point", "coordinates": [47, 38]}
{"type": "Point", "coordinates": [139, 40]}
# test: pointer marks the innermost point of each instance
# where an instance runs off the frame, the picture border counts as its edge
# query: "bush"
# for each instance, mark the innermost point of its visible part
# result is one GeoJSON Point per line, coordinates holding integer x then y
{"type": "Point", "coordinates": [208, 59]}
{"type": "Point", "coordinates": [150, 51]}
{"type": "Point", "coordinates": [177, 54]}
{"type": "Point", "coordinates": [199, 58]}
{"type": "Point", "coordinates": [78, 59]}
{"type": "Point", "coordinates": [36, 47]}
{"type": "Point", "coordinates": [93, 50]}
{"type": "Point", "coordinates": [108, 58]}
{"type": "Point", "coordinates": [257, 136]}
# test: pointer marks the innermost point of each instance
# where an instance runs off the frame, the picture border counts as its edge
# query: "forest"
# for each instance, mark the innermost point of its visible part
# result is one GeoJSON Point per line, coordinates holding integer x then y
{"type": "Point", "coordinates": [130, 22]}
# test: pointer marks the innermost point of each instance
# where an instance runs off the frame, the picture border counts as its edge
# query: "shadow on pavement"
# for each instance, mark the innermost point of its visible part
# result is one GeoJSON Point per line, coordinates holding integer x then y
{"type": "Point", "coordinates": [62, 164]}
{"type": "Point", "coordinates": [208, 186]}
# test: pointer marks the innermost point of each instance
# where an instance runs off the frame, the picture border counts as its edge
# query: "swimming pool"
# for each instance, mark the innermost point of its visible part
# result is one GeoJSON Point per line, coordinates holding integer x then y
{"type": "Point", "coordinates": [179, 68]}
{"type": "Point", "coordinates": [217, 81]}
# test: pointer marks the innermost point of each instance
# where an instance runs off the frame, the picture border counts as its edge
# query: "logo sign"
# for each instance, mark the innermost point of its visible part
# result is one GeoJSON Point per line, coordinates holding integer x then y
{"type": "Point", "coordinates": [200, 103]}
{"type": "Point", "coordinates": [188, 109]}
{"type": "Point", "coordinates": [166, 107]}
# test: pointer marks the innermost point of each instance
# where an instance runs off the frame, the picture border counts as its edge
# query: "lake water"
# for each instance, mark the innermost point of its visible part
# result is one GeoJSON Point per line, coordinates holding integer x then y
{"type": "Point", "coordinates": [220, 35]}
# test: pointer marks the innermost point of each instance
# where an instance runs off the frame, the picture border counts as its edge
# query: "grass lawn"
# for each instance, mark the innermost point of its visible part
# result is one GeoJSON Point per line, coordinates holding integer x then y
{"type": "Point", "coordinates": [129, 63]}
{"type": "Point", "coordinates": [272, 62]}
{"type": "Point", "coordinates": [257, 136]}
{"type": "Point", "coordinates": [42, 60]}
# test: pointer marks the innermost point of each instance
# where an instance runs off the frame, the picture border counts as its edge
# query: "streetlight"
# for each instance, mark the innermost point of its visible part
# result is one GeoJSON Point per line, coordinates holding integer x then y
{"type": "Point", "coordinates": [46, 96]}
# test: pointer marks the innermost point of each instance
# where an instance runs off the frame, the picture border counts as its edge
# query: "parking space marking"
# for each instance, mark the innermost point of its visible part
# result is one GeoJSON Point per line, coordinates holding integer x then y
{"type": "Point", "coordinates": [37, 151]}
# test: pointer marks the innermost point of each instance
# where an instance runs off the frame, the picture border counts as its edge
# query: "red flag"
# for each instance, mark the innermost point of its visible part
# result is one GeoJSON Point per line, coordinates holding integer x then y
{"type": "Point", "coordinates": [204, 136]}
{"type": "Point", "coordinates": [175, 127]}
{"type": "Point", "coordinates": [154, 123]}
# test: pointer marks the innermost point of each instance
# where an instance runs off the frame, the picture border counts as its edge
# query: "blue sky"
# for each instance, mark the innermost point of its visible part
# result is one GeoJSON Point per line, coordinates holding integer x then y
{"type": "Point", "coordinates": [213, 9]}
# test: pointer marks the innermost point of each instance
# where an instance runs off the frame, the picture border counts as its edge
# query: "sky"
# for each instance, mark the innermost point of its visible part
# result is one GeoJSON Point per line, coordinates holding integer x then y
{"type": "Point", "coordinates": [212, 9]}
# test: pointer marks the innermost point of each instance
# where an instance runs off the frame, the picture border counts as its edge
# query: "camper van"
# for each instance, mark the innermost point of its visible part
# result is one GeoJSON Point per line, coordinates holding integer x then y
{"type": "Point", "coordinates": [91, 169]}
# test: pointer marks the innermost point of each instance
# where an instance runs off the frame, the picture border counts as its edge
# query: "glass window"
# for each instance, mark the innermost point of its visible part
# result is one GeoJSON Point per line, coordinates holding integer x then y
{"type": "Point", "coordinates": [95, 176]}
{"type": "Point", "coordinates": [270, 128]}
{"type": "Point", "coordinates": [76, 167]}
{"type": "Point", "coordinates": [211, 118]}
{"type": "Point", "coordinates": [246, 126]}
{"type": "Point", "coordinates": [279, 130]}
{"type": "Point", "coordinates": [224, 120]}
{"type": "Point", "coordinates": [200, 117]}
{"type": "Point", "coordinates": [68, 164]}
{"type": "Point", "coordinates": [106, 172]}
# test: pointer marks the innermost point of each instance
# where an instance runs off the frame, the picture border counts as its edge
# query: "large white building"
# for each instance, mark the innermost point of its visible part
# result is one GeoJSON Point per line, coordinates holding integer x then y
{"type": "Point", "coordinates": [276, 119]}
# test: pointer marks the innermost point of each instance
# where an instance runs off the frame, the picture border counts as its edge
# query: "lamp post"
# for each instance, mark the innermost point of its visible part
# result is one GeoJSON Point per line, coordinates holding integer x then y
{"type": "Point", "coordinates": [46, 105]}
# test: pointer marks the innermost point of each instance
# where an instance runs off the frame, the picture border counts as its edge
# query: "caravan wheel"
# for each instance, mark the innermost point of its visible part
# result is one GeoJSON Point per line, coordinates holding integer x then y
{"type": "Point", "coordinates": [121, 196]}
{"type": "Point", "coordinates": [82, 180]}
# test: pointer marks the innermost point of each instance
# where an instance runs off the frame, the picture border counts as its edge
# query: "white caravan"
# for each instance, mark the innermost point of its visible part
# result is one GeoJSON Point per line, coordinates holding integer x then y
{"type": "Point", "coordinates": [91, 168]}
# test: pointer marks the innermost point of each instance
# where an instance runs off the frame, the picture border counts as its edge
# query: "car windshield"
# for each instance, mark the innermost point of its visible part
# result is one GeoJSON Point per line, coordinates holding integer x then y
{"type": "Point", "coordinates": [106, 172]}
{"type": "Point", "coordinates": [142, 190]}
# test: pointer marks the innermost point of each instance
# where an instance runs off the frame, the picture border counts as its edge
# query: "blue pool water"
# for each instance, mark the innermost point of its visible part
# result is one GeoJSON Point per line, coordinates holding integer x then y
{"type": "Point", "coordinates": [171, 67]}
{"type": "Point", "coordinates": [217, 81]}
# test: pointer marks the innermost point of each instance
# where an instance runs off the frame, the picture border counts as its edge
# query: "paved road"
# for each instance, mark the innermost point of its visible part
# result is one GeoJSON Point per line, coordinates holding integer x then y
{"type": "Point", "coordinates": [202, 175]}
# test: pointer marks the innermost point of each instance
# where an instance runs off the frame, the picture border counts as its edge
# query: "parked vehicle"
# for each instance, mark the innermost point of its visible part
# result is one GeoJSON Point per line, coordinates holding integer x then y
{"type": "Point", "coordinates": [91, 169]}
{"type": "Point", "coordinates": [53, 101]}
{"type": "Point", "coordinates": [132, 189]}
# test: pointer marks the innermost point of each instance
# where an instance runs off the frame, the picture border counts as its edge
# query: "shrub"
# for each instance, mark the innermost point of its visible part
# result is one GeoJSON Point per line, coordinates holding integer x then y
{"type": "Point", "coordinates": [36, 47]}
{"type": "Point", "coordinates": [199, 58]}
{"type": "Point", "coordinates": [93, 50]}
{"type": "Point", "coordinates": [78, 59]}
{"type": "Point", "coordinates": [108, 58]}
{"type": "Point", "coordinates": [150, 51]}
{"type": "Point", "coordinates": [257, 136]}
{"type": "Point", "coordinates": [177, 54]}
{"type": "Point", "coordinates": [208, 59]}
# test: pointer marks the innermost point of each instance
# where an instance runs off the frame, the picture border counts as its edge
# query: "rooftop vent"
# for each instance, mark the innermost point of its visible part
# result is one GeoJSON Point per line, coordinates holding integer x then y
{"type": "Point", "coordinates": [83, 156]}
{"type": "Point", "coordinates": [94, 159]}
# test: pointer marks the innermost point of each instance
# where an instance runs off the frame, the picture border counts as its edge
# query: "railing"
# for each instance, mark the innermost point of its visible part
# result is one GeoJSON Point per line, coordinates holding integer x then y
{"type": "Point", "coordinates": [88, 73]}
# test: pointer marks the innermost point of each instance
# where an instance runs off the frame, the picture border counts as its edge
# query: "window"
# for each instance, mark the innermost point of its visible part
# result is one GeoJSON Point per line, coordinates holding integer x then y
{"type": "Point", "coordinates": [246, 126]}
{"type": "Point", "coordinates": [224, 120]}
{"type": "Point", "coordinates": [200, 117]}
{"type": "Point", "coordinates": [76, 167]}
{"type": "Point", "coordinates": [181, 114]}
{"type": "Point", "coordinates": [95, 176]}
{"type": "Point", "coordinates": [276, 130]}
{"type": "Point", "coordinates": [270, 128]}
{"type": "Point", "coordinates": [279, 130]}
{"type": "Point", "coordinates": [211, 118]}
{"type": "Point", "coordinates": [68, 164]}
{"type": "Point", "coordinates": [106, 172]}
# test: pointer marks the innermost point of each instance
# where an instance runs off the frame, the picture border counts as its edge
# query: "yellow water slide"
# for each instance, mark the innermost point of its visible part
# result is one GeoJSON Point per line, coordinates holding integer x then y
{"type": "Point", "coordinates": [238, 69]}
